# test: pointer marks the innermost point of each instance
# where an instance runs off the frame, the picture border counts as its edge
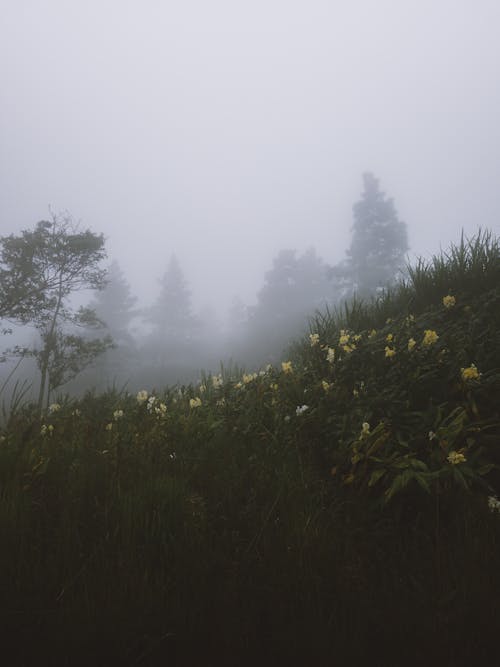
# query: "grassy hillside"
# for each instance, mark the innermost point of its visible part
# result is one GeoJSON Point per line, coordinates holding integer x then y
{"type": "Point", "coordinates": [338, 509]}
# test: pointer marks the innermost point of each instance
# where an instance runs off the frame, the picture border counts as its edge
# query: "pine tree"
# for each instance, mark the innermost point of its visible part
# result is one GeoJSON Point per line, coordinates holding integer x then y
{"type": "Point", "coordinates": [379, 242]}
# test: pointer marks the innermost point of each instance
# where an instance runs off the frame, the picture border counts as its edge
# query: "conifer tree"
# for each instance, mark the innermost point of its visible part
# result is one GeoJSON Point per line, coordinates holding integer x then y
{"type": "Point", "coordinates": [379, 241]}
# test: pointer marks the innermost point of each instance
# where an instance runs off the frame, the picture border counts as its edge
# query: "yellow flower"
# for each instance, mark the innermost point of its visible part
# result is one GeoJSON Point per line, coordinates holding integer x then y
{"type": "Point", "coordinates": [117, 414]}
{"type": "Point", "coordinates": [455, 458]}
{"type": "Point", "coordinates": [372, 333]}
{"type": "Point", "coordinates": [109, 427]}
{"type": "Point", "coordinates": [286, 367]}
{"type": "Point", "coordinates": [195, 402]}
{"type": "Point", "coordinates": [430, 337]}
{"type": "Point", "coordinates": [389, 351]}
{"type": "Point", "coordinates": [314, 339]}
{"type": "Point", "coordinates": [248, 377]}
{"type": "Point", "coordinates": [344, 337]}
{"type": "Point", "coordinates": [389, 338]}
{"type": "Point", "coordinates": [326, 385]}
{"type": "Point", "coordinates": [217, 381]}
{"type": "Point", "coordinates": [411, 344]}
{"type": "Point", "coordinates": [273, 386]}
{"type": "Point", "coordinates": [54, 407]}
{"type": "Point", "coordinates": [348, 348]}
{"type": "Point", "coordinates": [449, 301]}
{"type": "Point", "coordinates": [330, 355]}
{"type": "Point", "coordinates": [388, 320]}
{"type": "Point", "coordinates": [470, 373]}
{"type": "Point", "coordinates": [357, 338]}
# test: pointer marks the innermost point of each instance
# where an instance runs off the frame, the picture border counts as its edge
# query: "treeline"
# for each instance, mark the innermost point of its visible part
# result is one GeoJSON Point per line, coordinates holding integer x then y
{"type": "Point", "coordinates": [96, 346]}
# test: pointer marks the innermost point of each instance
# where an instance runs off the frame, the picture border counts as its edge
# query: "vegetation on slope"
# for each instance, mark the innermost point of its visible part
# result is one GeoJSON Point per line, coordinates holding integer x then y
{"type": "Point", "coordinates": [339, 507]}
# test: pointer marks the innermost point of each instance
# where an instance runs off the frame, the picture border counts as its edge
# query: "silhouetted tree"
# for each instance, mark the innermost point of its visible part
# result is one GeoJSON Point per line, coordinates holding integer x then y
{"type": "Point", "coordinates": [379, 242]}
{"type": "Point", "coordinates": [56, 260]}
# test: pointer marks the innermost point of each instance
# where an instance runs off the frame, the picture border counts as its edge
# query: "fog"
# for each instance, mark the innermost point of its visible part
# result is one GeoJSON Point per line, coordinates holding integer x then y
{"type": "Point", "coordinates": [226, 131]}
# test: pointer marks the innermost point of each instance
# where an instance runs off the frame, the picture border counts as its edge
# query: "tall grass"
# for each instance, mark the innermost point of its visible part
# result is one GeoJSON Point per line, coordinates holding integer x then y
{"type": "Point", "coordinates": [334, 510]}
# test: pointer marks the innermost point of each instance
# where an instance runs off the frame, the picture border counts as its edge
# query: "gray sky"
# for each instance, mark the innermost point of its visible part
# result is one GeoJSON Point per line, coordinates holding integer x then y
{"type": "Point", "coordinates": [226, 130]}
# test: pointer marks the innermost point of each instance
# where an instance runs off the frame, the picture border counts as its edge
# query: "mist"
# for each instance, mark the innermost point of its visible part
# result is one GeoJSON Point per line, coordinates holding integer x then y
{"type": "Point", "coordinates": [223, 133]}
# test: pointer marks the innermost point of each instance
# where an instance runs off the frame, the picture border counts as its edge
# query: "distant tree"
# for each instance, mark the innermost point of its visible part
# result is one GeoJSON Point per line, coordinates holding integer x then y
{"type": "Point", "coordinates": [114, 305]}
{"type": "Point", "coordinates": [56, 260]}
{"type": "Point", "coordinates": [294, 289]}
{"type": "Point", "coordinates": [379, 242]}
{"type": "Point", "coordinates": [171, 315]}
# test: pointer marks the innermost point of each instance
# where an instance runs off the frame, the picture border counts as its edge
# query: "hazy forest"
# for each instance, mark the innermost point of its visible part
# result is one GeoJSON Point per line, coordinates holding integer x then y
{"type": "Point", "coordinates": [249, 333]}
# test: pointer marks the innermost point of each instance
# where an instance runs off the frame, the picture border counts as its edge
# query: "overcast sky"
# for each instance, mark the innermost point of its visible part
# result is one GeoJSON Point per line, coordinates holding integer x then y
{"type": "Point", "coordinates": [225, 130]}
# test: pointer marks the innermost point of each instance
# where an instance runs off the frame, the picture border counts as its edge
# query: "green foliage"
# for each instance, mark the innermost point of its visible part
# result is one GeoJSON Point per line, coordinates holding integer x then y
{"type": "Point", "coordinates": [40, 270]}
{"type": "Point", "coordinates": [330, 505]}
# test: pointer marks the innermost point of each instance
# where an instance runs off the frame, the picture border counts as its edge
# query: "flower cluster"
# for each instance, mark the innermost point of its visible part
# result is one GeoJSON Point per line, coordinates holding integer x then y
{"type": "Point", "coordinates": [300, 409]}
{"type": "Point", "coordinates": [286, 367]}
{"type": "Point", "coordinates": [195, 402]}
{"type": "Point", "coordinates": [449, 301]}
{"type": "Point", "coordinates": [455, 458]}
{"type": "Point", "coordinates": [470, 373]}
{"type": "Point", "coordinates": [430, 338]}
{"type": "Point", "coordinates": [142, 396]}
{"type": "Point", "coordinates": [314, 339]}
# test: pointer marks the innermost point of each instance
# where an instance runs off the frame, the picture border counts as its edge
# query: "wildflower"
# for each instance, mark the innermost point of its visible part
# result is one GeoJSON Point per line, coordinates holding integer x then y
{"type": "Point", "coordinates": [221, 403]}
{"type": "Point", "coordinates": [314, 339]}
{"type": "Point", "coordinates": [238, 385]}
{"type": "Point", "coordinates": [344, 337]}
{"type": "Point", "coordinates": [76, 413]}
{"type": "Point", "coordinates": [249, 377]}
{"type": "Point", "coordinates": [470, 373]}
{"type": "Point", "coordinates": [151, 402]}
{"type": "Point", "coordinates": [161, 410]}
{"type": "Point", "coordinates": [330, 355]}
{"type": "Point", "coordinates": [365, 429]}
{"type": "Point", "coordinates": [348, 348]}
{"type": "Point", "coordinates": [326, 385]}
{"type": "Point", "coordinates": [195, 402]}
{"type": "Point", "coordinates": [109, 427]}
{"type": "Point", "coordinates": [357, 338]}
{"type": "Point", "coordinates": [301, 409]}
{"type": "Point", "coordinates": [355, 393]}
{"type": "Point", "coordinates": [47, 430]}
{"type": "Point", "coordinates": [389, 338]}
{"type": "Point", "coordinates": [117, 414]}
{"type": "Point", "coordinates": [432, 435]}
{"type": "Point", "coordinates": [449, 301]}
{"type": "Point", "coordinates": [273, 386]}
{"type": "Point", "coordinates": [202, 388]}
{"type": "Point", "coordinates": [430, 337]}
{"type": "Point", "coordinates": [372, 333]}
{"type": "Point", "coordinates": [411, 344]}
{"type": "Point", "coordinates": [493, 504]}
{"type": "Point", "coordinates": [455, 458]}
{"type": "Point", "coordinates": [388, 320]}
{"type": "Point", "coordinates": [217, 381]}
{"type": "Point", "coordinates": [54, 407]}
{"type": "Point", "coordinates": [410, 319]}
{"type": "Point", "coordinates": [286, 367]}
{"type": "Point", "coordinates": [142, 396]}
{"type": "Point", "coordinates": [389, 351]}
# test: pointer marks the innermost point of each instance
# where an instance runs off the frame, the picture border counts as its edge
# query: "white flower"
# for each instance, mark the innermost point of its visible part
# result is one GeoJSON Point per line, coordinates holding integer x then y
{"type": "Point", "coordinates": [300, 409]}
{"type": "Point", "coordinates": [54, 407]}
{"type": "Point", "coordinates": [494, 504]}
{"type": "Point", "coordinates": [314, 339]}
{"type": "Point", "coordinates": [142, 396]}
{"type": "Point", "coordinates": [151, 402]}
{"type": "Point", "coordinates": [365, 429]}
{"type": "Point", "coordinates": [117, 414]}
{"type": "Point", "coordinates": [161, 410]}
{"type": "Point", "coordinates": [195, 402]}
